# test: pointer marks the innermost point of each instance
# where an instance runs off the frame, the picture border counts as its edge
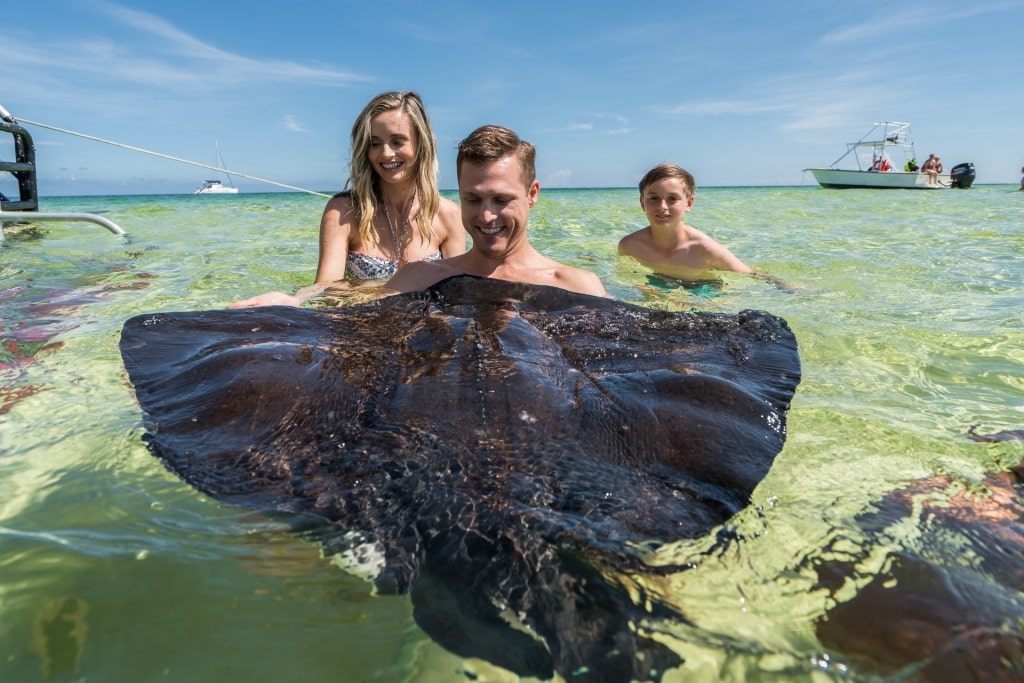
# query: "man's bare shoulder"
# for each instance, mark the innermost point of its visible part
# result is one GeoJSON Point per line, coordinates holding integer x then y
{"type": "Point", "coordinates": [580, 281]}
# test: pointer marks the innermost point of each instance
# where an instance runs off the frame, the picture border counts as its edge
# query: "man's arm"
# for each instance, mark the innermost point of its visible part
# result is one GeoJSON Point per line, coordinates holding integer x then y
{"type": "Point", "coordinates": [415, 276]}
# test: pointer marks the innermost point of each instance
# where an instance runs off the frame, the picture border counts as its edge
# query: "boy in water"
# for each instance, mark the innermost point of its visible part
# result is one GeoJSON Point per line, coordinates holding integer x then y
{"type": "Point", "coordinates": [668, 245]}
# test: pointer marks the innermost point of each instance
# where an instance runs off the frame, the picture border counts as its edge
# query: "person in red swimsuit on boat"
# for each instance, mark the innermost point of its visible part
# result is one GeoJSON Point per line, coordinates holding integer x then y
{"type": "Point", "coordinates": [391, 212]}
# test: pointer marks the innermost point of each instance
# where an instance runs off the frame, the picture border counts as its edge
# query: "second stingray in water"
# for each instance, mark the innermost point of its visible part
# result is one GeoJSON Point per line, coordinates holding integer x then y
{"type": "Point", "coordinates": [492, 448]}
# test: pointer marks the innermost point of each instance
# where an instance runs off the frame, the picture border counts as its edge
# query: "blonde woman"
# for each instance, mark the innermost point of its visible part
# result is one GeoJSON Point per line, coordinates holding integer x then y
{"type": "Point", "coordinates": [390, 212]}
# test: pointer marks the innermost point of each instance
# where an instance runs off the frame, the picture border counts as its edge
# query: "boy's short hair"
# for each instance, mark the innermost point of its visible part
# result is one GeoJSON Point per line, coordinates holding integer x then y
{"type": "Point", "coordinates": [662, 171]}
{"type": "Point", "coordinates": [491, 143]}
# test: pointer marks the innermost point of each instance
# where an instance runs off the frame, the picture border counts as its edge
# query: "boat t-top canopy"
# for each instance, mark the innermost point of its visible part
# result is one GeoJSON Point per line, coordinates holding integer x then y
{"type": "Point", "coordinates": [880, 139]}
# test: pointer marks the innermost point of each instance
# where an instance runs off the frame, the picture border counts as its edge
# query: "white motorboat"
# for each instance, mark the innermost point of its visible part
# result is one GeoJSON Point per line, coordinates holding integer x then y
{"type": "Point", "coordinates": [217, 186]}
{"type": "Point", "coordinates": [885, 159]}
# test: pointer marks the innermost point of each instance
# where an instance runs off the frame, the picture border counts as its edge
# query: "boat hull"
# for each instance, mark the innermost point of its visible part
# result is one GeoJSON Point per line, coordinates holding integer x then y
{"type": "Point", "coordinates": [215, 187]}
{"type": "Point", "coordinates": [891, 180]}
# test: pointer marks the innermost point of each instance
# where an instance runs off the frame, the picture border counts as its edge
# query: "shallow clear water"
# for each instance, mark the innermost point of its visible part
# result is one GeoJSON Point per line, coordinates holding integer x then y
{"type": "Point", "coordinates": [910, 330]}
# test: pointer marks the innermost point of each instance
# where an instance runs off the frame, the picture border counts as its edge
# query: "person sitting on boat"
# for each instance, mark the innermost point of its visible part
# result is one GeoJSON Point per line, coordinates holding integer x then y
{"type": "Point", "coordinates": [881, 164]}
{"type": "Point", "coordinates": [933, 167]}
{"type": "Point", "coordinates": [392, 213]}
{"type": "Point", "coordinates": [911, 166]}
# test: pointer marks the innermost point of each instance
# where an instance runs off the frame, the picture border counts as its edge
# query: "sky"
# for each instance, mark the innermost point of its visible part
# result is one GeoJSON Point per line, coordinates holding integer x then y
{"type": "Point", "coordinates": [739, 93]}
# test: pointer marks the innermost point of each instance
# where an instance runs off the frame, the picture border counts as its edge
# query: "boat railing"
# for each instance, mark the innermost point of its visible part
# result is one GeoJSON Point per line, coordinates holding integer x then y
{"type": "Point", "coordinates": [23, 168]}
{"type": "Point", "coordinates": [26, 207]}
{"type": "Point", "coordinates": [881, 138]}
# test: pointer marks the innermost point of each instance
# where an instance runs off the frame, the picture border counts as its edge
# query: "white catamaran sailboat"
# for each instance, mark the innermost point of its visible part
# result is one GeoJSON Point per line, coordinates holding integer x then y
{"type": "Point", "coordinates": [877, 165]}
{"type": "Point", "coordinates": [217, 186]}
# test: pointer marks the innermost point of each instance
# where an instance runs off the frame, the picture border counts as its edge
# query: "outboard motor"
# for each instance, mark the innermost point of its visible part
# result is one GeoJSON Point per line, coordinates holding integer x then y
{"type": "Point", "coordinates": [962, 176]}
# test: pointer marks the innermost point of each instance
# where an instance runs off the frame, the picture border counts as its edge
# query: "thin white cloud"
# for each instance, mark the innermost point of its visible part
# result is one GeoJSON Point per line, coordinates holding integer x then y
{"type": "Point", "coordinates": [166, 58]}
{"type": "Point", "coordinates": [570, 128]}
{"type": "Point", "coordinates": [560, 177]}
{"type": "Point", "coordinates": [902, 22]}
{"type": "Point", "coordinates": [622, 129]}
{"type": "Point", "coordinates": [806, 101]}
{"type": "Point", "coordinates": [292, 124]}
{"type": "Point", "coordinates": [426, 35]}
{"type": "Point", "coordinates": [883, 26]}
{"type": "Point", "coordinates": [719, 107]}
{"type": "Point", "coordinates": [589, 127]}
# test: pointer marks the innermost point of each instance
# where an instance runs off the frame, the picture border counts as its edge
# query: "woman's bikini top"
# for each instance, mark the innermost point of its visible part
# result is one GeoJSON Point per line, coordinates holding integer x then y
{"type": "Point", "coordinates": [365, 267]}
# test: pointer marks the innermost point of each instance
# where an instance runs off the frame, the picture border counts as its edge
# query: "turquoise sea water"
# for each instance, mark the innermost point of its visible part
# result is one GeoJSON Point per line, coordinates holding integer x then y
{"type": "Point", "coordinates": [911, 328]}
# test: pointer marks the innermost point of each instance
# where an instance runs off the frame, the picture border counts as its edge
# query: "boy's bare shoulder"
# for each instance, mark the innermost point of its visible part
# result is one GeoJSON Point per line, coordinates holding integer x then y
{"type": "Point", "coordinates": [634, 240]}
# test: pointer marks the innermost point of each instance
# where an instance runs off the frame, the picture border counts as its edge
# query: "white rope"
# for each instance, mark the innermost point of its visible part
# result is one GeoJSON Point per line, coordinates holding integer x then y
{"type": "Point", "coordinates": [166, 156]}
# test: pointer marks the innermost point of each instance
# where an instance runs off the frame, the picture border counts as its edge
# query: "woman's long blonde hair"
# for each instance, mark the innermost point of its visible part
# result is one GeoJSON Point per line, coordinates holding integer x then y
{"type": "Point", "coordinates": [365, 183]}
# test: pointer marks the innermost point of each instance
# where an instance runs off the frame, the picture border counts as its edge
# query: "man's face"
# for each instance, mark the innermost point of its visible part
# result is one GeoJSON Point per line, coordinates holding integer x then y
{"type": "Point", "coordinates": [495, 205]}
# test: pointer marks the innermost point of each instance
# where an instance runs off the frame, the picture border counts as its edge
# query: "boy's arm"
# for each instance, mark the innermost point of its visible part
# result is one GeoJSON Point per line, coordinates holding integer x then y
{"type": "Point", "coordinates": [720, 258]}
{"type": "Point", "coordinates": [730, 262]}
{"type": "Point", "coordinates": [779, 284]}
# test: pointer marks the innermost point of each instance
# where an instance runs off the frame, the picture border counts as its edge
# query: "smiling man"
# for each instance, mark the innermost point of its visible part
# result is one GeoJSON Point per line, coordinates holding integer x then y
{"type": "Point", "coordinates": [497, 187]}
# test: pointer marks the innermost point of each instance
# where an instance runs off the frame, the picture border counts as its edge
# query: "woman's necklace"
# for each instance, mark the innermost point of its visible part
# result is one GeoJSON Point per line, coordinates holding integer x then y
{"type": "Point", "coordinates": [397, 239]}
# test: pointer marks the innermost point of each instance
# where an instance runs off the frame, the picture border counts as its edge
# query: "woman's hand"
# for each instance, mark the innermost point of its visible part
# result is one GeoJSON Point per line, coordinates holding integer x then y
{"type": "Point", "coordinates": [268, 299]}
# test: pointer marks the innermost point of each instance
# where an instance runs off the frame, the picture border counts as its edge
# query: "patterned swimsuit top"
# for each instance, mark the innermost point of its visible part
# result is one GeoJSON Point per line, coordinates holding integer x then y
{"type": "Point", "coordinates": [365, 267]}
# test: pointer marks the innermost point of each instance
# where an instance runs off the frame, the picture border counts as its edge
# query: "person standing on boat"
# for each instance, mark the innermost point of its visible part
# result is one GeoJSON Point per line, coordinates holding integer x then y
{"type": "Point", "coordinates": [933, 167]}
{"type": "Point", "coordinates": [391, 212]}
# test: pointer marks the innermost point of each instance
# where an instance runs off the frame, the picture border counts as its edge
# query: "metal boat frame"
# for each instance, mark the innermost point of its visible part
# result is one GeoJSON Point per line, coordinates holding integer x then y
{"type": "Point", "coordinates": [26, 207]}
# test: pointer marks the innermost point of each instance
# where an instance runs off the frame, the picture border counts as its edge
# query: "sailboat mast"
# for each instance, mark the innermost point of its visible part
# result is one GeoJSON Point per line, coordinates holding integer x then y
{"type": "Point", "coordinates": [220, 163]}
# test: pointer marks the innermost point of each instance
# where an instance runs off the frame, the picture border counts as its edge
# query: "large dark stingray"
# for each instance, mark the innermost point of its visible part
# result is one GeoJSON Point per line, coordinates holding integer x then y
{"type": "Point", "coordinates": [948, 604]}
{"type": "Point", "coordinates": [511, 451]}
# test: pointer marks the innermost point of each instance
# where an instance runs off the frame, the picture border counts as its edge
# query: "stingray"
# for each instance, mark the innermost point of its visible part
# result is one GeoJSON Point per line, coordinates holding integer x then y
{"type": "Point", "coordinates": [996, 437]}
{"type": "Point", "coordinates": [947, 604]}
{"type": "Point", "coordinates": [507, 454]}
